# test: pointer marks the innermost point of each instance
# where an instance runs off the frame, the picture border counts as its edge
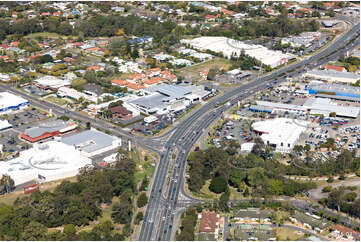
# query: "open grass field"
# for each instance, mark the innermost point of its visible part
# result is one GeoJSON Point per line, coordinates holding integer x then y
{"type": "Point", "coordinates": [192, 72]}
{"type": "Point", "coordinates": [56, 100]}
{"type": "Point", "coordinates": [46, 35]}
{"type": "Point", "coordinates": [78, 82]}
{"type": "Point", "coordinates": [288, 234]}
{"type": "Point", "coordinates": [47, 186]}
{"type": "Point", "coordinates": [207, 193]}
{"type": "Point", "coordinates": [144, 168]}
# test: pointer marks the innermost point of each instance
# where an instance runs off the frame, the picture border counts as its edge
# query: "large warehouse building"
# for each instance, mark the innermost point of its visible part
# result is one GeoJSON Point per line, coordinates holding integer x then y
{"type": "Point", "coordinates": [333, 76]}
{"type": "Point", "coordinates": [166, 98]}
{"type": "Point", "coordinates": [313, 105]}
{"type": "Point", "coordinates": [92, 142]}
{"type": "Point", "coordinates": [10, 102]}
{"type": "Point", "coordinates": [282, 133]}
{"type": "Point", "coordinates": [338, 90]}
{"type": "Point", "coordinates": [228, 47]}
{"type": "Point", "coordinates": [47, 130]}
{"type": "Point", "coordinates": [52, 160]}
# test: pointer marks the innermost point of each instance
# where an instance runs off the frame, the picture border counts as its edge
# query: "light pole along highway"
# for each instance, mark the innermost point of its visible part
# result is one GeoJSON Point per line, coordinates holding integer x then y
{"type": "Point", "coordinates": [159, 217]}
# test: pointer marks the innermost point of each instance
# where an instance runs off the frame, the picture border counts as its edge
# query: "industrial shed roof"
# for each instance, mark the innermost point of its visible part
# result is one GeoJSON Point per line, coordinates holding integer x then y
{"type": "Point", "coordinates": [89, 140]}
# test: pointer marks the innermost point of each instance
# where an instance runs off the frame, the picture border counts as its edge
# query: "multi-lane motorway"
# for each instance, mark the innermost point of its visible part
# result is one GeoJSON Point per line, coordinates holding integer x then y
{"type": "Point", "coordinates": [161, 212]}
{"type": "Point", "coordinates": [165, 206]}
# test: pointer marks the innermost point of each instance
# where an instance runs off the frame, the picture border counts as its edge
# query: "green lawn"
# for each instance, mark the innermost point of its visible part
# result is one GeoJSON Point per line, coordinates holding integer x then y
{"type": "Point", "coordinates": [206, 65]}
{"type": "Point", "coordinates": [46, 35]}
{"type": "Point", "coordinates": [56, 100]}
{"type": "Point", "coordinates": [206, 193]}
{"type": "Point", "coordinates": [78, 82]}
{"type": "Point", "coordinates": [288, 234]}
{"type": "Point", "coordinates": [146, 168]}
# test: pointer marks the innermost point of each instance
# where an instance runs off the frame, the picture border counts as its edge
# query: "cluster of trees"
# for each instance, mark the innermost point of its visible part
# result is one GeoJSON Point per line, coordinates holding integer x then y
{"type": "Point", "coordinates": [98, 25]}
{"type": "Point", "coordinates": [130, 25]}
{"type": "Point", "coordinates": [351, 63]}
{"type": "Point", "coordinates": [101, 78]}
{"type": "Point", "coordinates": [73, 204]}
{"type": "Point", "coordinates": [244, 61]}
{"type": "Point", "coordinates": [254, 174]}
{"type": "Point", "coordinates": [122, 47]}
{"type": "Point", "coordinates": [278, 27]}
{"type": "Point", "coordinates": [188, 223]}
{"type": "Point", "coordinates": [345, 162]}
{"type": "Point", "coordinates": [8, 67]}
{"type": "Point", "coordinates": [343, 199]}
{"type": "Point", "coordinates": [43, 59]}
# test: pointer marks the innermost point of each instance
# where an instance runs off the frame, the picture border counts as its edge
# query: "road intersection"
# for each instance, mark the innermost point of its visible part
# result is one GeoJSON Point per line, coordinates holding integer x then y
{"type": "Point", "coordinates": [164, 205]}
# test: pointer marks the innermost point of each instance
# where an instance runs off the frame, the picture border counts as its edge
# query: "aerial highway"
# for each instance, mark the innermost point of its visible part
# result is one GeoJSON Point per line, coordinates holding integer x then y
{"type": "Point", "coordinates": [167, 198]}
{"type": "Point", "coordinates": [158, 223]}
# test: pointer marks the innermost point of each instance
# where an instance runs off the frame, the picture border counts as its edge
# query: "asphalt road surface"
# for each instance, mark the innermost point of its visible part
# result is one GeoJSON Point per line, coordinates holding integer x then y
{"type": "Point", "coordinates": [159, 217]}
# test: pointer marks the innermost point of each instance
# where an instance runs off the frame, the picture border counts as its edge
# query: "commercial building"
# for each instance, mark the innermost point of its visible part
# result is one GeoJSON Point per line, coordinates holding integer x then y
{"type": "Point", "coordinates": [10, 102]}
{"type": "Point", "coordinates": [4, 124]}
{"type": "Point", "coordinates": [335, 68]}
{"type": "Point", "coordinates": [94, 109]}
{"type": "Point", "coordinates": [322, 106]}
{"type": "Point", "coordinates": [74, 94]}
{"type": "Point", "coordinates": [47, 130]}
{"type": "Point", "coordinates": [230, 47]}
{"type": "Point", "coordinates": [51, 82]}
{"type": "Point", "coordinates": [332, 76]}
{"type": "Point", "coordinates": [166, 98]}
{"type": "Point", "coordinates": [92, 142]}
{"type": "Point", "coordinates": [282, 133]}
{"type": "Point", "coordinates": [325, 106]}
{"type": "Point", "coordinates": [52, 160]}
{"type": "Point", "coordinates": [339, 90]}
{"type": "Point", "coordinates": [70, 93]}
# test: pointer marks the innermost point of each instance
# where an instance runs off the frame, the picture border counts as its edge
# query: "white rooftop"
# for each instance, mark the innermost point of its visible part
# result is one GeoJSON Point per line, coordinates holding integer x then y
{"type": "Point", "coordinates": [52, 82]}
{"type": "Point", "coordinates": [53, 160]}
{"type": "Point", "coordinates": [282, 132]}
{"type": "Point", "coordinates": [229, 46]}
{"type": "Point", "coordinates": [9, 100]}
{"type": "Point", "coordinates": [4, 124]}
{"type": "Point", "coordinates": [325, 105]}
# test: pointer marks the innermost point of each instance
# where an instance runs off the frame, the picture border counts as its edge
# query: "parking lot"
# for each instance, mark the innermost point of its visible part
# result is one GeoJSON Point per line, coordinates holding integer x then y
{"type": "Point", "coordinates": [25, 117]}
{"type": "Point", "coordinates": [12, 145]}
{"type": "Point", "coordinates": [34, 90]}
{"type": "Point", "coordinates": [162, 122]}
{"type": "Point", "coordinates": [229, 130]}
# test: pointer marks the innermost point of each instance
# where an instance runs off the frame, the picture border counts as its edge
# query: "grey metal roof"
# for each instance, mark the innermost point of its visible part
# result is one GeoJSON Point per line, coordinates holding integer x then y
{"type": "Point", "coordinates": [335, 88]}
{"type": "Point", "coordinates": [46, 127]}
{"type": "Point", "coordinates": [89, 140]}
{"type": "Point", "coordinates": [343, 98]}
{"type": "Point", "coordinates": [171, 91]}
{"type": "Point", "coordinates": [335, 74]}
{"type": "Point", "coordinates": [150, 102]}
{"type": "Point", "coordinates": [325, 105]}
{"type": "Point", "coordinates": [93, 88]}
